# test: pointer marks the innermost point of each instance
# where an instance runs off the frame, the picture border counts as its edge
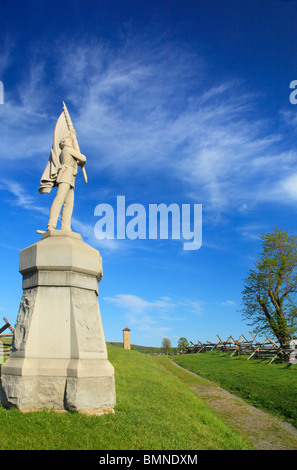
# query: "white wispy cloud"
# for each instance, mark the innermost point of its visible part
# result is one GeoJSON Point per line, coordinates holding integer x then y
{"type": "Point", "coordinates": [288, 186]}
{"type": "Point", "coordinates": [252, 230]}
{"type": "Point", "coordinates": [20, 196]}
{"type": "Point", "coordinates": [137, 116]}
{"type": "Point", "coordinates": [150, 108]}
{"type": "Point", "coordinates": [154, 316]}
{"type": "Point", "coordinates": [228, 303]}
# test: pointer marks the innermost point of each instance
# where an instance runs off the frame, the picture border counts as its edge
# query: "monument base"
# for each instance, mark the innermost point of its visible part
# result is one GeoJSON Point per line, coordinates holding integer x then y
{"type": "Point", "coordinates": [58, 358]}
{"type": "Point", "coordinates": [35, 393]}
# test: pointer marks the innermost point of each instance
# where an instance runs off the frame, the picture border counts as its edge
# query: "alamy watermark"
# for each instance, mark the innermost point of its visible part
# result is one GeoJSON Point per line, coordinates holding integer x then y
{"type": "Point", "coordinates": [1, 93]}
{"type": "Point", "coordinates": [293, 95]}
{"type": "Point", "coordinates": [157, 221]}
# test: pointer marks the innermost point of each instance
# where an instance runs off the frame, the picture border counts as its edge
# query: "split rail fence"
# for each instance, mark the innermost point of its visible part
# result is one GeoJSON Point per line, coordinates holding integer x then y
{"type": "Point", "coordinates": [267, 349]}
{"type": "Point", "coordinates": [6, 338]}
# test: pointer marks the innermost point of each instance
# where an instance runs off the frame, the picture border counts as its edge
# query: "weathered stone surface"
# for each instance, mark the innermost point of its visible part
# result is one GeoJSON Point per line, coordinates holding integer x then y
{"type": "Point", "coordinates": [19, 392]}
{"type": "Point", "coordinates": [87, 322]}
{"type": "Point", "coordinates": [22, 326]}
{"type": "Point", "coordinates": [59, 358]}
{"type": "Point", "coordinates": [86, 393]}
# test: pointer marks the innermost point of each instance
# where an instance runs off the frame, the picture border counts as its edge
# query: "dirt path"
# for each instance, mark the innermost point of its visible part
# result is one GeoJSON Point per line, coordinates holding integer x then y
{"type": "Point", "coordinates": [263, 430]}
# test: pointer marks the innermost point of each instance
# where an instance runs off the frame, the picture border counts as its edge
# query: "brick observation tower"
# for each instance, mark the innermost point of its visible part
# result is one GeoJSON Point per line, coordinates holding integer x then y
{"type": "Point", "coordinates": [126, 338]}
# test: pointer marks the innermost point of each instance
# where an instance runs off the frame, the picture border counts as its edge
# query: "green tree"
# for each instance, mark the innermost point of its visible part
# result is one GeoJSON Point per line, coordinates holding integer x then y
{"type": "Point", "coordinates": [271, 287]}
{"type": "Point", "coordinates": [182, 344]}
{"type": "Point", "coordinates": [166, 345]}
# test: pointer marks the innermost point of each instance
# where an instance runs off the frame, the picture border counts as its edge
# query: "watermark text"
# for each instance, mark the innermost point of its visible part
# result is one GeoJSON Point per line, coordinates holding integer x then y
{"type": "Point", "coordinates": [1, 93]}
{"type": "Point", "coordinates": [158, 221]}
{"type": "Point", "coordinates": [293, 95]}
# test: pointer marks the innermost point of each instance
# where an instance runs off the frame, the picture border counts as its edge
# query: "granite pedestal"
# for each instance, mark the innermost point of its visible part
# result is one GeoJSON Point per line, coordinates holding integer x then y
{"type": "Point", "coordinates": [58, 358]}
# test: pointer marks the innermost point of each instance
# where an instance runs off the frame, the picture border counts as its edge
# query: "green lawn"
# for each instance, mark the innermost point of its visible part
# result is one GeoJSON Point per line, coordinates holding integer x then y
{"type": "Point", "coordinates": [155, 411]}
{"type": "Point", "coordinates": [270, 387]}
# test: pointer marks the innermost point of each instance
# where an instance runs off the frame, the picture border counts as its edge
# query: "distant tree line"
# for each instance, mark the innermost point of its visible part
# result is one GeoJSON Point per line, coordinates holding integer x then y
{"type": "Point", "coordinates": [181, 345]}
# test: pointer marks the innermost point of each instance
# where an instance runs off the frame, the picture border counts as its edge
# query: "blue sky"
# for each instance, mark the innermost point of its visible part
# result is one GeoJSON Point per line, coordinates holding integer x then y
{"type": "Point", "coordinates": [173, 102]}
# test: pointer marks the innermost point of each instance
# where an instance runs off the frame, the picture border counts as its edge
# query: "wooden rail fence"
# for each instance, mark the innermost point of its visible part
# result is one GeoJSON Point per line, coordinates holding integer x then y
{"type": "Point", "coordinates": [6, 338]}
{"type": "Point", "coordinates": [267, 348]}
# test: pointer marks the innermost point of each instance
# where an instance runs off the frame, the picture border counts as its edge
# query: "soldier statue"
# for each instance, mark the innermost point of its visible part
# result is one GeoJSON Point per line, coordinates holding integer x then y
{"type": "Point", "coordinates": [61, 171]}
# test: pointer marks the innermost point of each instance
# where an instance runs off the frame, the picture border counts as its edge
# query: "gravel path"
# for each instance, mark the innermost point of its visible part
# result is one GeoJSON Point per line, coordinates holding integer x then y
{"type": "Point", "coordinates": [263, 430]}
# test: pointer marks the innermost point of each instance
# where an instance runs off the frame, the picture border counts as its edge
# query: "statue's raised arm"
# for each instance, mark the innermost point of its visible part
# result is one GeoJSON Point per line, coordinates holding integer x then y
{"type": "Point", "coordinates": [61, 171]}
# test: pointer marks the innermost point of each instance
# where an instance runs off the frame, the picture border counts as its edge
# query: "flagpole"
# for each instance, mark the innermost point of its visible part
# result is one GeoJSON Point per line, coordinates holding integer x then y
{"type": "Point", "coordinates": [72, 130]}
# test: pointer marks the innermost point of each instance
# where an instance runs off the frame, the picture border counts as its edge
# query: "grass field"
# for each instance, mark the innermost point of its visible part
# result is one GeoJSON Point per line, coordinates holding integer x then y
{"type": "Point", "coordinates": [155, 410]}
{"type": "Point", "coordinates": [270, 387]}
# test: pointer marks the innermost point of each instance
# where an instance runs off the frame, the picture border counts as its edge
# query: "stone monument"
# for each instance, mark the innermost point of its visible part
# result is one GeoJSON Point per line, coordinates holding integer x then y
{"type": "Point", "coordinates": [58, 358]}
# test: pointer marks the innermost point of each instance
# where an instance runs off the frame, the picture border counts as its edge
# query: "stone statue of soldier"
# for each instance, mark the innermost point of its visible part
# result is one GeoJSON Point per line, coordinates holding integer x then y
{"type": "Point", "coordinates": [69, 159]}
{"type": "Point", "coordinates": [61, 171]}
